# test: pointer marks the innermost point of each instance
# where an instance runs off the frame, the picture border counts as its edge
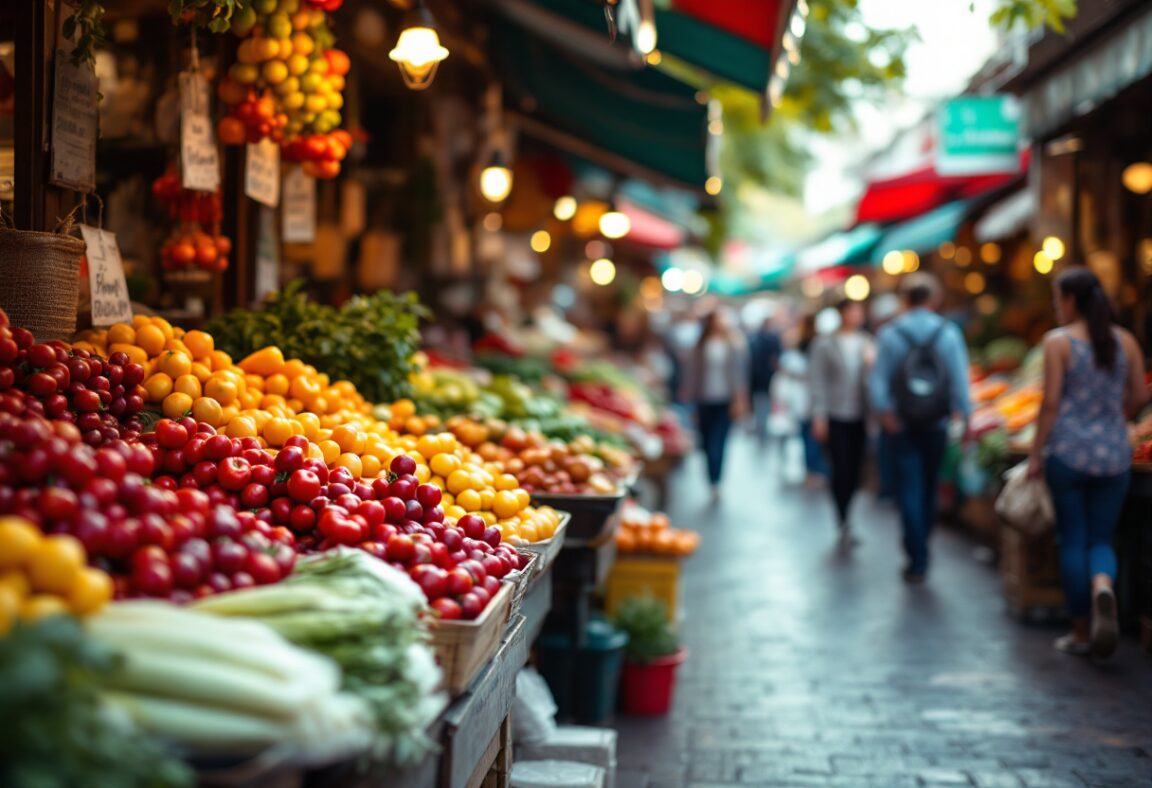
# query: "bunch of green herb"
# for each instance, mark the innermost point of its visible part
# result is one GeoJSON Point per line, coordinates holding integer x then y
{"type": "Point", "coordinates": [369, 340]}
{"type": "Point", "coordinates": [650, 634]}
{"type": "Point", "coordinates": [58, 733]}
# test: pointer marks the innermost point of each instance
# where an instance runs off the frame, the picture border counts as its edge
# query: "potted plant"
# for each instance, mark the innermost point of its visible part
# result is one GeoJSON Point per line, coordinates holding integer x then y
{"type": "Point", "coordinates": [651, 657]}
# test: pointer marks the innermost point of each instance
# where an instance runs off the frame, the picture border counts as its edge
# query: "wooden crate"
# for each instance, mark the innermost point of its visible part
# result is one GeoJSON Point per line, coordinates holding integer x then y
{"type": "Point", "coordinates": [1029, 571]}
{"type": "Point", "coordinates": [464, 647]}
{"type": "Point", "coordinates": [643, 576]}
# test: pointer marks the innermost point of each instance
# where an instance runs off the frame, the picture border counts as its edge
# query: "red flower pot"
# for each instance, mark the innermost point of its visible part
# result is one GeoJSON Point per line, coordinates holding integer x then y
{"type": "Point", "coordinates": [647, 688]}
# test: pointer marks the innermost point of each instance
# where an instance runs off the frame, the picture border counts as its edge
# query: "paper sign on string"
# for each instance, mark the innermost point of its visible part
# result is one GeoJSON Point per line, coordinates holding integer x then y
{"type": "Point", "coordinates": [75, 117]}
{"type": "Point", "coordinates": [110, 301]}
{"type": "Point", "coordinates": [262, 172]}
{"type": "Point", "coordinates": [199, 157]}
{"type": "Point", "coordinates": [298, 212]}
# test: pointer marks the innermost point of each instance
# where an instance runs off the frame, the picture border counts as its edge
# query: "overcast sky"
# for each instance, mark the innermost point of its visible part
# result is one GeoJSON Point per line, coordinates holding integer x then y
{"type": "Point", "coordinates": [954, 41]}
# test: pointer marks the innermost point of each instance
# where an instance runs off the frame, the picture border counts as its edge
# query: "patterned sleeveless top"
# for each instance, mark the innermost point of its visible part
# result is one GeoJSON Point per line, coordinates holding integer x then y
{"type": "Point", "coordinates": [1091, 434]}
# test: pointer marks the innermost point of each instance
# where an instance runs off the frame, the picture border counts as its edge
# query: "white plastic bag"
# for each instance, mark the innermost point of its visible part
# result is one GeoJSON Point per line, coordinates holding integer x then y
{"type": "Point", "coordinates": [533, 710]}
{"type": "Point", "coordinates": [1026, 503]}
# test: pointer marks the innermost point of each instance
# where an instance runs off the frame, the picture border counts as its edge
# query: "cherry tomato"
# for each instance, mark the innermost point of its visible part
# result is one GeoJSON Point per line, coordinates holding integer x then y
{"type": "Point", "coordinates": [234, 473]}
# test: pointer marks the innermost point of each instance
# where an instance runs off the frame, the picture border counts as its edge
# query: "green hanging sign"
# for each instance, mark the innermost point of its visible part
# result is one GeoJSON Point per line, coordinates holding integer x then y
{"type": "Point", "coordinates": [978, 135]}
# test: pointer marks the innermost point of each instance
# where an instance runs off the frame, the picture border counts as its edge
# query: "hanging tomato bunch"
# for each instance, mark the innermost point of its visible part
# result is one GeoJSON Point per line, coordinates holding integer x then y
{"type": "Point", "coordinates": [196, 240]}
{"type": "Point", "coordinates": [287, 84]}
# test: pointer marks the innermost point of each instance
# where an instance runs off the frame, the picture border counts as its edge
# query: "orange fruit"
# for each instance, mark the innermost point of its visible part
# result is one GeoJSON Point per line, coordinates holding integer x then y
{"type": "Point", "coordinates": [174, 364]}
{"type": "Point", "coordinates": [310, 422]}
{"type": "Point", "coordinates": [19, 542]}
{"type": "Point", "coordinates": [16, 582]}
{"type": "Point", "coordinates": [91, 591]}
{"type": "Point", "coordinates": [330, 450]}
{"type": "Point", "coordinates": [158, 387]}
{"type": "Point", "coordinates": [208, 410]}
{"type": "Point", "coordinates": [459, 481]}
{"type": "Point", "coordinates": [150, 339]}
{"type": "Point", "coordinates": [304, 388]}
{"type": "Point", "coordinates": [264, 362]}
{"type": "Point", "coordinates": [188, 384]}
{"type": "Point", "coordinates": [56, 563]}
{"type": "Point", "coordinates": [201, 371]}
{"type": "Point", "coordinates": [469, 501]}
{"type": "Point", "coordinates": [293, 368]}
{"type": "Point", "coordinates": [165, 327]}
{"type": "Point", "coordinates": [122, 333]}
{"type": "Point", "coordinates": [220, 360]}
{"type": "Point", "coordinates": [277, 431]}
{"type": "Point", "coordinates": [403, 408]}
{"type": "Point", "coordinates": [176, 405]}
{"type": "Point", "coordinates": [242, 427]}
{"type": "Point", "coordinates": [352, 462]}
{"type": "Point", "coordinates": [372, 466]}
{"type": "Point", "coordinates": [221, 389]}
{"type": "Point", "coordinates": [349, 438]}
{"type": "Point", "coordinates": [444, 464]}
{"type": "Point", "coordinates": [277, 384]}
{"type": "Point", "coordinates": [178, 346]}
{"type": "Point", "coordinates": [505, 504]}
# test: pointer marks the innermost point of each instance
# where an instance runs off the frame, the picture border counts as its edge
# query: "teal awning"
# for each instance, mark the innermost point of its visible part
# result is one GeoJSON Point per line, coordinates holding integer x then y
{"type": "Point", "coordinates": [714, 50]}
{"type": "Point", "coordinates": [850, 247]}
{"type": "Point", "coordinates": [638, 116]}
{"type": "Point", "coordinates": [924, 233]}
{"type": "Point", "coordinates": [718, 52]}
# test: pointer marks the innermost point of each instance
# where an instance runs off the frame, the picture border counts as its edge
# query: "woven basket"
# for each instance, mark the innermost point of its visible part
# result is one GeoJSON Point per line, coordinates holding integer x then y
{"type": "Point", "coordinates": [39, 275]}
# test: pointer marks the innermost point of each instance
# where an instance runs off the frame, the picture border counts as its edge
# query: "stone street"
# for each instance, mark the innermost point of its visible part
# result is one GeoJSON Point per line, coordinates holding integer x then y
{"type": "Point", "coordinates": [815, 666]}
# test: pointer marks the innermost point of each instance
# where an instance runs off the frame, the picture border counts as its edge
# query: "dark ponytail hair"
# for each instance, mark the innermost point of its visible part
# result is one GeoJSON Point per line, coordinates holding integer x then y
{"type": "Point", "coordinates": [1092, 305]}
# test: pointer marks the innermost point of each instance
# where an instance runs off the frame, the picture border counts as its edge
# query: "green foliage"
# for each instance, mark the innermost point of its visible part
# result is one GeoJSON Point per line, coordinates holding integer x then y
{"type": "Point", "coordinates": [650, 635]}
{"type": "Point", "coordinates": [57, 732]}
{"type": "Point", "coordinates": [369, 340]}
{"type": "Point", "coordinates": [213, 15]}
{"type": "Point", "coordinates": [1033, 13]}
{"type": "Point", "coordinates": [88, 22]}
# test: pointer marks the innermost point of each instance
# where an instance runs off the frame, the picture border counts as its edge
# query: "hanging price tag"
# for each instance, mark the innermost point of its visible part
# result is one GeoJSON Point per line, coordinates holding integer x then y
{"type": "Point", "coordinates": [262, 173]}
{"type": "Point", "coordinates": [75, 117]}
{"type": "Point", "coordinates": [110, 302]}
{"type": "Point", "coordinates": [267, 255]}
{"type": "Point", "coordinates": [298, 212]}
{"type": "Point", "coordinates": [199, 157]}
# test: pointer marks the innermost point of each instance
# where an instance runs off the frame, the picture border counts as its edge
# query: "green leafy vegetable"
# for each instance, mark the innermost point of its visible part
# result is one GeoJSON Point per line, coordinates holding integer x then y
{"type": "Point", "coordinates": [650, 636]}
{"type": "Point", "coordinates": [369, 340]}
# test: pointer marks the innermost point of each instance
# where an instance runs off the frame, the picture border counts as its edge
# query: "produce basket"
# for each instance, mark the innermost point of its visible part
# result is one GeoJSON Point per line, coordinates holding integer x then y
{"type": "Point", "coordinates": [521, 579]}
{"type": "Point", "coordinates": [548, 549]}
{"type": "Point", "coordinates": [41, 275]}
{"type": "Point", "coordinates": [591, 515]}
{"type": "Point", "coordinates": [464, 647]}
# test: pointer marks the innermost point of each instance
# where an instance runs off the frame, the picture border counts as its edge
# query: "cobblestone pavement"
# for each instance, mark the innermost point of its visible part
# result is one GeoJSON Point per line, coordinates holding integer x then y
{"type": "Point", "coordinates": [812, 666]}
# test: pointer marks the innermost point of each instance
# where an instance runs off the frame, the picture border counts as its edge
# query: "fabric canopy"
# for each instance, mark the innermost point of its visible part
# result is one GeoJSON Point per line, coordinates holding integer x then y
{"type": "Point", "coordinates": [920, 191]}
{"type": "Point", "coordinates": [651, 230]}
{"type": "Point", "coordinates": [638, 116]}
{"type": "Point", "coordinates": [1007, 217]}
{"type": "Point", "coordinates": [713, 49]}
{"type": "Point", "coordinates": [924, 233]}
{"type": "Point", "coordinates": [850, 247]}
{"type": "Point", "coordinates": [756, 21]}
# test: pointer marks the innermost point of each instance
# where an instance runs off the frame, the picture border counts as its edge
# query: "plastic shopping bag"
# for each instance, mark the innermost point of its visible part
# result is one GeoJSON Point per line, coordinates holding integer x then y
{"type": "Point", "coordinates": [1026, 503]}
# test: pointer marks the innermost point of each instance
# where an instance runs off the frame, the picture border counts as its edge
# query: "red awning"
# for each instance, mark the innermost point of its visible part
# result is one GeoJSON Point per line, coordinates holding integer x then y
{"type": "Point", "coordinates": [651, 230]}
{"type": "Point", "coordinates": [920, 191]}
{"type": "Point", "coordinates": [752, 20]}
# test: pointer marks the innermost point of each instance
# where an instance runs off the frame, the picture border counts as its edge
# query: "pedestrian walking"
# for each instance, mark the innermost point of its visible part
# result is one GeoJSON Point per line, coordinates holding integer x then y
{"type": "Point", "coordinates": [794, 395]}
{"type": "Point", "coordinates": [1093, 381]}
{"type": "Point", "coordinates": [919, 382]}
{"type": "Point", "coordinates": [839, 383]}
{"type": "Point", "coordinates": [764, 349]}
{"type": "Point", "coordinates": [716, 381]}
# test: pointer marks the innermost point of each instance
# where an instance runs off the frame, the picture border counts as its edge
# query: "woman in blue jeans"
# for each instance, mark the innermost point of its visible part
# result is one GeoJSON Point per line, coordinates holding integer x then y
{"type": "Point", "coordinates": [1093, 380]}
{"type": "Point", "coordinates": [716, 381]}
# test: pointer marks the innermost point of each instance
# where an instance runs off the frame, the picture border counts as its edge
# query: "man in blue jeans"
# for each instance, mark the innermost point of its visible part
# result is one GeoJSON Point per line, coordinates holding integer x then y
{"type": "Point", "coordinates": [918, 450]}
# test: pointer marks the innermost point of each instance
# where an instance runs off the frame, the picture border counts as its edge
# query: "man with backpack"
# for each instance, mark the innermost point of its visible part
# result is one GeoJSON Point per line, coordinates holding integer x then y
{"type": "Point", "coordinates": [918, 384]}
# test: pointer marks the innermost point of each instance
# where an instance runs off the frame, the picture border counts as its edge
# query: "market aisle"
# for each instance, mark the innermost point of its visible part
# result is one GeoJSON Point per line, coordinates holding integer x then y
{"type": "Point", "coordinates": [810, 666]}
